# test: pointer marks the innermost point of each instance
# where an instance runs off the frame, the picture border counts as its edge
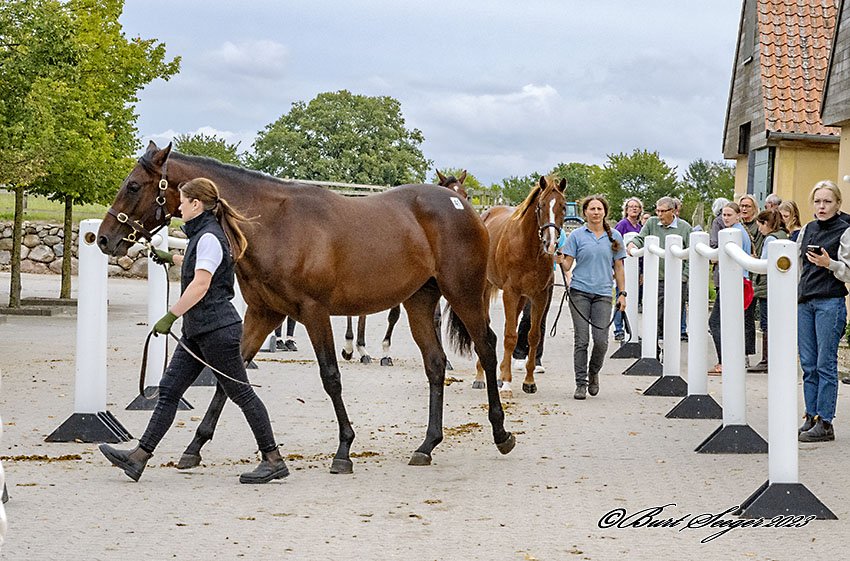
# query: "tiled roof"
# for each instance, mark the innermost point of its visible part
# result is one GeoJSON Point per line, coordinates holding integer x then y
{"type": "Point", "coordinates": [795, 39]}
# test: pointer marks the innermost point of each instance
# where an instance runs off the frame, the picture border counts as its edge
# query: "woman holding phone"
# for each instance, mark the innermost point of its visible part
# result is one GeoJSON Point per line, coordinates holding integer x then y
{"type": "Point", "coordinates": [821, 313]}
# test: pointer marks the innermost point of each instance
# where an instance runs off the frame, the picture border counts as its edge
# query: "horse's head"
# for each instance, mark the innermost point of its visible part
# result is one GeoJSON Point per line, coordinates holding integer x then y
{"type": "Point", "coordinates": [144, 204]}
{"type": "Point", "coordinates": [454, 183]}
{"type": "Point", "coordinates": [551, 206]}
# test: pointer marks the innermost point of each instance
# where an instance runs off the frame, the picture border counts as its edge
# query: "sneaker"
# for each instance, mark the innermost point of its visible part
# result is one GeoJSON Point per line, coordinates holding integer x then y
{"type": "Point", "coordinates": [619, 336]}
{"type": "Point", "coordinates": [538, 368]}
{"type": "Point", "coordinates": [280, 345]}
{"type": "Point", "coordinates": [290, 345]}
{"type": "Point", "coordinates": [684, 337]}
{"type": "Point", "coordinates": [821, 432]}
{"type": "Point", "coordinates": [593, 384]}
{"type": "Point", "coordinates": [808, 422]}
{"type": "Point", "coordinates": [581, 392]}
{"type": "Point", "coordinates": [518, 363]}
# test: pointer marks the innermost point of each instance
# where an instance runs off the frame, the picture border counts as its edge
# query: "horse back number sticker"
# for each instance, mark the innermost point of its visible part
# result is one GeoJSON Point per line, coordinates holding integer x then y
{"type": "Point", "coordinates": [457, 203]}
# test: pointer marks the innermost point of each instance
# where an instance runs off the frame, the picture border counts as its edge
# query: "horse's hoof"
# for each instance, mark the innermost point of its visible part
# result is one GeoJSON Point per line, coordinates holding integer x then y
{"type": "Point", "coordinates": [507, 445]}
{"type": "Point", "coordinates": [386, 361]}
{"type": "Point", "coordinates": [419, 459]}
{"type": "Point", "coordinates": [478, 385]}
{"type": "Point", "coordinates": [188, 461]}
{"type": "Point", "coordinates": [449, 365]}
{"type": "Point", "coordinates": [347, 354]}
{"type": "Point", "coordinates": [365, 359]}
{"type": "Point", "coordinates": [529, 388]}
{"type": "Point", "coordinates": [340, 465]}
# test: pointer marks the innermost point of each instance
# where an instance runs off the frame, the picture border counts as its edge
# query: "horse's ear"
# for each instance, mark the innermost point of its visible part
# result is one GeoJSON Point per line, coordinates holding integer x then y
{"type": "Point", "coordinates": [542, 182]}
{"type": "Point", "coordinates": [161, 155]}
{"type": "Point", "coordinates": [562, 185]}
{"type": "Point", "coordinates": [462, 177]}
{"type": "Point", "coordinates": [440, 177]}
{"type": "Point", "coordinates": [151, 149]}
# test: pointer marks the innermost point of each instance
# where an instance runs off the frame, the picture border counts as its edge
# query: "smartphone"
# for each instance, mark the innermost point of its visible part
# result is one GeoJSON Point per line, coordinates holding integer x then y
{"type": "Point", "coordinates": [816, 249]}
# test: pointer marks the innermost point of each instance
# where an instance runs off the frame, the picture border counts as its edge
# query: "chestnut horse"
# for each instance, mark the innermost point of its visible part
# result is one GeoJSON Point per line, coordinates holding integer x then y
{"type": "Point", "coordinates": [521, 263]}
{"type": "Point", "coordinates": [344, 256]}
{"type": "Point", "coordinates": [455, 184]}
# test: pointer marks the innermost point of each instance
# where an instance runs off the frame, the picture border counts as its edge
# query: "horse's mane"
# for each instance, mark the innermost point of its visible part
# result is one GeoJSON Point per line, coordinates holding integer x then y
{"type": "Point", "coordinates": [526, 204]}
{"type": "Point", "coordinates": [227, 170]}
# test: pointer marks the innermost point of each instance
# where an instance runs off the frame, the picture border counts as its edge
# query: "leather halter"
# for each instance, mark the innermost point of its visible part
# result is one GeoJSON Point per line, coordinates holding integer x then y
{"type": "Point", "coordinates": [158, 213]}
{"type": "Point", "coordinates": [546, 226]}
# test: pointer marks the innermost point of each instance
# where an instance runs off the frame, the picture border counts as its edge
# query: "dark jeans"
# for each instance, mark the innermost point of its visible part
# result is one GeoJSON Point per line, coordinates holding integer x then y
{"type": "Point", "coordinates": [221, 349]}
{"type": "Point", "coordinates": [762, 302]}
{"type": "Point", "coordinates": [749, 327]}
{"type": "Point", "coordinates": [521, 349]}
{"type": "Point", "coordinates": [597, 309]}
{"type": "Point", "coordinates": [682, 316]}
{"type": "Point", "coordinates": [290, 328]}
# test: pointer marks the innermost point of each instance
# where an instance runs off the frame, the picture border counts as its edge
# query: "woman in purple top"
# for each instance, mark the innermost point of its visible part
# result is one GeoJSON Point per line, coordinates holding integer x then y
{"type": "Point", "coordinates": [632, 209]}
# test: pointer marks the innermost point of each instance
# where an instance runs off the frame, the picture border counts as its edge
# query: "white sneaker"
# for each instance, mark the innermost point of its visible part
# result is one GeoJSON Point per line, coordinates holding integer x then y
{"type": "Point", "coordinates": [518, 363]}
{"type": "Point", "coordinates": [539, 369]}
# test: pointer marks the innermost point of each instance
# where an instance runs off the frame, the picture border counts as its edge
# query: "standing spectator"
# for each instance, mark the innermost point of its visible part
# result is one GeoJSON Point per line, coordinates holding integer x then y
{"type": "Point", "coordinates": [663, 224]}
{"type": "Point", "coordinates": [771, 228]}
{"type": "Point", "coordinates": [632, 209]}
{"type": "Point", "coordinates": [749, 209]}
{"type": "Point", "coordinates": [821, 312]}
{"type": "Point", "coordinates": [791, 219]}
{"type": "Point", "coordinates": [772, 202]}
{"type": "Point", "coordinates": [597, 251]}
{"type": "Point", "coordinates": [731, 217]}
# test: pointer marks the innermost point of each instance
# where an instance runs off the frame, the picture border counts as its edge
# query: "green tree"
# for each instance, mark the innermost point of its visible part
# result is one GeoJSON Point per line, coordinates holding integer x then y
{"type": "Point", "coordinates": [340, 136]}
{"type": "Point", "coordinates": [582, 179]}
{"type": "Point", "coordinates": [642, 174]}
{"type": "Point", "coordinates": [209, 146]}
{"type": "Point", "coordinates": [705, 181]}
{"type": "Point", "coordinates": [514, 190]}
{"type": "Point", "coordinates": [95, 120]}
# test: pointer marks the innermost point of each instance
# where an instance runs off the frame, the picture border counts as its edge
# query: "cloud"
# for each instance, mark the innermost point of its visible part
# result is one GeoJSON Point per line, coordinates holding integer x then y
{"type": "Point", "coordinates": [256, 59]}
{"type": "Point", "coordinates": [244, 138]}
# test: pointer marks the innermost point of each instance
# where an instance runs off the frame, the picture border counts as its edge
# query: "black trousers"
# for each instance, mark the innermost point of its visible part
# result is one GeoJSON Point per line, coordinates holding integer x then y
{"type": "Point", "coordinates": [749, 327]}
{"type": "Point", "coordinates": [221, 349]}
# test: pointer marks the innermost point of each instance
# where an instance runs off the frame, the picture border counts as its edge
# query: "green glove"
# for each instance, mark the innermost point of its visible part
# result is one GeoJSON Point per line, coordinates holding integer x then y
{"type": "Point", "coordinates": [164, 324]}
{"type": "Point", "coordinates": [162, 257]}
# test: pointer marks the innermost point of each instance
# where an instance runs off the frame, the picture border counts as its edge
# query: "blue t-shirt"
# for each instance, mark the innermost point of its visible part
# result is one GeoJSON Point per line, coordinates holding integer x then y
{"type": "Point", "coordinates": [594, 267]}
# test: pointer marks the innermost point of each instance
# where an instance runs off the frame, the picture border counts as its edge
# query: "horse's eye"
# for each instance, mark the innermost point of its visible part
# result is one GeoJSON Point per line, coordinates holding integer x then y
{"type": "Point", "coordinates": [133, 187]}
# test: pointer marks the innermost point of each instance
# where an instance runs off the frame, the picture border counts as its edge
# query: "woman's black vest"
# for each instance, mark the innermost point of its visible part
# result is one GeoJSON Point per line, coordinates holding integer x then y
{"type": "Point", "coordinates": [214, 311]}
{"type": "Point", "coordinates": [819, 282]}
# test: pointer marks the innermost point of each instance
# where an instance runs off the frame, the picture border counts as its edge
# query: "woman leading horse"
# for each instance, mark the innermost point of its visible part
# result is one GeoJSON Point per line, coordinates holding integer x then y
{"type": "Point", "coordinates": [344, 256]}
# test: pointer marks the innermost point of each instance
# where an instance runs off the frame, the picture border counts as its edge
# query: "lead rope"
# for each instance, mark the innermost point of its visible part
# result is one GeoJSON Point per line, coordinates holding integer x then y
{"type": "Point", "coordinates": [626, 325]}
{"type": "Point", "coordinates": [180, 343]}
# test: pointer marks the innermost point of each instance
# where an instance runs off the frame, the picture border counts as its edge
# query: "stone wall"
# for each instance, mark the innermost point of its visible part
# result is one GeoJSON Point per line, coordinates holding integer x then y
{"type": "Point", "coordinates": [41, 251]}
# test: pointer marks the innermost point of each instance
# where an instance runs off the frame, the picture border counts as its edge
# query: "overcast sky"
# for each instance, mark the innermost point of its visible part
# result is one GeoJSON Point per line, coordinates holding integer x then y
{"type": "Point", "coordinates": [498, 87]}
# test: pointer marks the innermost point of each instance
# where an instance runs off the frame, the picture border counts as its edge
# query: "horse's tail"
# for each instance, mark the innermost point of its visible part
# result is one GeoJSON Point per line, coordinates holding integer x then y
{"type": "Point", "coordinates": [459, 337]}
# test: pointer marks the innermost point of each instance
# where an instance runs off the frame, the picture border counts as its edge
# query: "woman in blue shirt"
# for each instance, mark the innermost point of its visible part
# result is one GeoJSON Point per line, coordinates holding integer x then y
{"type": "Point", "coordinates": [598, 253]}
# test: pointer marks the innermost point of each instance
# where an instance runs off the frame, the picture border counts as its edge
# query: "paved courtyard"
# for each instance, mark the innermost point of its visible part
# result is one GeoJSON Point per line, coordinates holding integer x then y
{"type": "Point", "coordinates": [574, 462]}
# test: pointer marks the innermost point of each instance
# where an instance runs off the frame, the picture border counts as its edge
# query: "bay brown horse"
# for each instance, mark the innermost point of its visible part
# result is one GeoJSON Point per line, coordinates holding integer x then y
{"type": "Point", "coordinates": [521, 263]}
{"type": "Point", "coordinates": [344, 256]}
{"type": "Point", "coordinates": [449, 182]}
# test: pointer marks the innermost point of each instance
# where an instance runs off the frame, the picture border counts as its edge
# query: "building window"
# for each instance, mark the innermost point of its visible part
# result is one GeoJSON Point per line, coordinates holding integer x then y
{"type": "Point", "coordinates": [744, 139]}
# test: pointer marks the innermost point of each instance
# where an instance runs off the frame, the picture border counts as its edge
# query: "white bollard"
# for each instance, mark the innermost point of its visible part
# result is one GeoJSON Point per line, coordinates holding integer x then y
{"type": "Point", "coordinates": [157, 307]}
{"type": "Point", "coordinates": [649, 325]}
{"type": "Point", "coordinates": [90, 422]}
{"type": "Point", "coordinates": [782, 361]}
{"type": "Point", "coordinates": [732, 331]}
{"type": "Point", "coordinates": [672, 306]}
{"type": "Point", "coordinates": [698, 315]}
{"type": "Point", "coordinates": [90, 381]}
{"type": "Point", "coordinates": [632, 272]}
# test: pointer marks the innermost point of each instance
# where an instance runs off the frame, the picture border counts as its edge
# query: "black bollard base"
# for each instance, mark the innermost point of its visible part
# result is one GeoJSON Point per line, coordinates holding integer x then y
{"type": "Point", "coordinates": [627, 350]}
{"type": "Point", "coordinates": [733, 439]}
{"type": "Point", "coordinates": [90, 427]}
{"type": "Point", "coordinates": [146, 403]}
{"type": "Point", "coordinates": [644, 367]}
{"type": "Point", "coordinates": [783, 499]}
{"type": "Point", "coordinates": [696, 407]}
{"type": "Point", "coordinates": [668, 386]}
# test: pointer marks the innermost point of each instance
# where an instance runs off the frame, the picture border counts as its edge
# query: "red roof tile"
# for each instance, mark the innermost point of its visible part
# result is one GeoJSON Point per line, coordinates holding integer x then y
{"type": "Point", "coordinates": [795, 39]}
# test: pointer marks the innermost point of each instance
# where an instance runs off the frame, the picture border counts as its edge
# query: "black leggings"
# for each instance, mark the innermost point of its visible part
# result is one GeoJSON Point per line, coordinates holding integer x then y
{"type": "Point", "coordinates": [221, 349]}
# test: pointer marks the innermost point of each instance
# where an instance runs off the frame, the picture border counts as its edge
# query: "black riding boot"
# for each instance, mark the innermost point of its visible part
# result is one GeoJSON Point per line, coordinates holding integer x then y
{"type": "Point", "coordinates": [271, 467]}
{"type": "Point", "coordinates": [133, 461]}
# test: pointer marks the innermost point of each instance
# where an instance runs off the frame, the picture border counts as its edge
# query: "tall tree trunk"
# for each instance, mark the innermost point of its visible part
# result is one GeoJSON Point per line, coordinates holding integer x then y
{"type": "Point", "coordinates": [65, 291]}
{"type": "Point", "coordinates": [17, 239]}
